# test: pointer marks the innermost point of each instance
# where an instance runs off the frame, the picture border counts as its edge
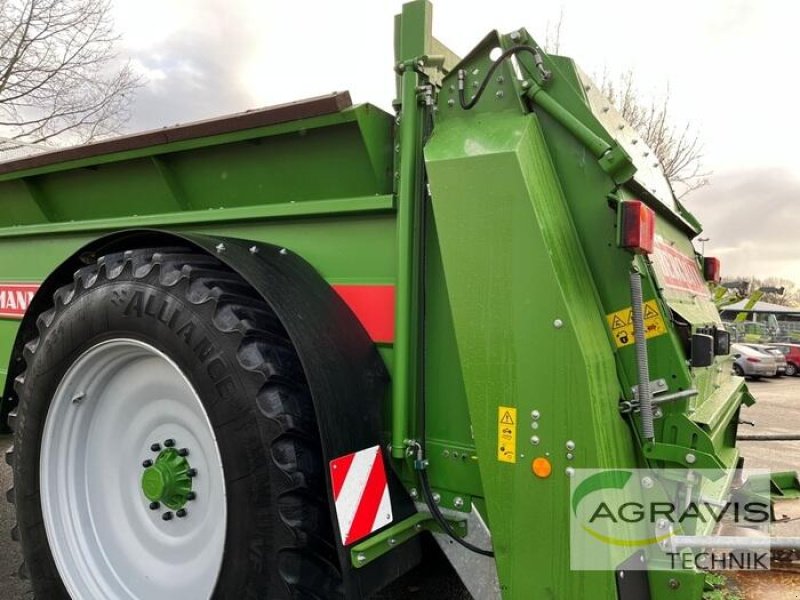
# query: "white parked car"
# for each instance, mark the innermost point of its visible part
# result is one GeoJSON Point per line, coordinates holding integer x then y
{"type": "Point", "coordinates": [749, 362]}
{"type": "Point", "coordinates": [780, 359]}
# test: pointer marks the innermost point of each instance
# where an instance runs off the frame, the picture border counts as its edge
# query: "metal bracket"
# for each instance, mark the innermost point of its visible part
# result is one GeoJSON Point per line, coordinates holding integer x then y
{"type": "Point", "coordinates": [385, 541]}
{"type": "Point", "coordinates": [617, 163]}
{"type": "Point", "coordinates": [688, 457]}
{"type": "Point", "coordinates": [659, 386]}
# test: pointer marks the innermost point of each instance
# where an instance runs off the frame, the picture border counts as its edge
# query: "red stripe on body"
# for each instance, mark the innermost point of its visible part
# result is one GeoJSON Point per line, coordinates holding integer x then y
{"type": "Point", "coordinates": [15, 298]}
{"type": "Point", "coordinates": [374, 307]}
{"type": "Point", "coordinates": [340, 467]}
{"type": "Point", "coordinates": [370, 502]}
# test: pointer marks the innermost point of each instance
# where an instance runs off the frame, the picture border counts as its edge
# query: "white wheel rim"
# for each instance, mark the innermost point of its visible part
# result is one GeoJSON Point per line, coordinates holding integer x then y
{"type": "Point", "coordinates": [114, 402]}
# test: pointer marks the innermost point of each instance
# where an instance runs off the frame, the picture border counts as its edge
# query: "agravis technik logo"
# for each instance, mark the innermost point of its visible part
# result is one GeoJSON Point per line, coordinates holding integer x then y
{"type": "Point", "coordinates": [676, 519]}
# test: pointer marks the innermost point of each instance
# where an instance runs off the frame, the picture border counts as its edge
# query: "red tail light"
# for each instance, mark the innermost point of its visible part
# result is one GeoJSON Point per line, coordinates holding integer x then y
{"type": "Point", "coordinates": [711, 269]}
{"type": "Point", "coordinates": [637, 226]}
{"type": "Point", "coordinates": [754, 360]}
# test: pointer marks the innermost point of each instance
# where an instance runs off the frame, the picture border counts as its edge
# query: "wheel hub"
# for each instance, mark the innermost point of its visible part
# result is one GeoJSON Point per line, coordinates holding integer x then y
{"type": "Point", "coordinates": [108, 537]}
{"type": "Point", "coordinates": [168, 479]}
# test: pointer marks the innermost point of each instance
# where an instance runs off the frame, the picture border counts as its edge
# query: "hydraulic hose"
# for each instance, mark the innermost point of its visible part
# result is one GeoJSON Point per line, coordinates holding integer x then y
{"type": "Point", "coordinates": [642, 366]}
{"type": "Point", "coordinates": [537, 59]}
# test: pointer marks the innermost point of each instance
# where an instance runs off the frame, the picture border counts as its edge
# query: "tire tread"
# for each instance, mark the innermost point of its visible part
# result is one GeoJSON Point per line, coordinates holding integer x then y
{"type": "Point", "coordinates": [309, 567]}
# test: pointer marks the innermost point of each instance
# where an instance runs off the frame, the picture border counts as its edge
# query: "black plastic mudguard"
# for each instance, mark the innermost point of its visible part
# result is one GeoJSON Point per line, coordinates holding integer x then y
{"type": "Point", "coordinates": [346, 375]}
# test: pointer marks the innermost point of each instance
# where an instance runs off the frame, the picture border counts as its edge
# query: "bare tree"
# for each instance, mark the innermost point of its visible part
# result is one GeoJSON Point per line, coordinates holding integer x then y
{"type": "Point", "coordinates": [60, 78]}
{"type": "Point", "coordinates": [678, 148]}
{"type": "Point", "coordinates": [552, 36]}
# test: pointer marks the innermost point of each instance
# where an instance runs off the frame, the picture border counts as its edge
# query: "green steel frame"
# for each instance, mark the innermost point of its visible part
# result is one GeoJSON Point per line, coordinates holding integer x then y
{"type": "Point", "coordinates": [519, 266]}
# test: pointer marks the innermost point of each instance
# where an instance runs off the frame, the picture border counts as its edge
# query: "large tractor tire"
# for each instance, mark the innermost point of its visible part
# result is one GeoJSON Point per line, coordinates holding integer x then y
{"type": "Point", "coordinates": [165, 444]}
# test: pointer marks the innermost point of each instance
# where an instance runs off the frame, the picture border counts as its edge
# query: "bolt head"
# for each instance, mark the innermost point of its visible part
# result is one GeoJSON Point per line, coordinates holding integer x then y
{"type": "Point", "coordinates": [691, 458]}
{"type": "Point", "coordinates": [283, 252]}
{"type": "Point", "coordinates": [413, 493]}
{"type": "Point", "coordinates": [183, 452]}
{"type": "Point", "coordinates": [155, 505]}
{"type": "Point", "coordinates": [220, 248]}
{"type": "Point", "coordinates": [570, 445]}
{"type": "Point", "coordinates": [535, 440]}
{"type": "Point", "coordinates": [155, 447]}
{"type": "Point", "coordinates": [181, 513]}
{"type": "Point", "coordinates": [147, 463]}
{"type": "Point", "coordinates": [169, 443]}
{"type": "Point", "coordinates": [674, 584]}
{"type": "Point", "coordinates": [191, 496]}
{"type": "Point", "coordinates": [192, 472]}
{"type": "Point", "coordinates": [253, 249]}
{"type": "Point", "coordinates": [558, 323]}
{"type": "Point", "coordinates": [458, 502]}
{"type": "Point", "coordinates": [392, 541]}
{"type": "Point", "coordinates": [570, 472]}
{"type": "Point", "coordinates": [535, 414]}
{"type": "Point", "coordinates": [437, 497]}
{"type": "Point", "coordinates": [361, 558]}
{"type": "Point", "coordinates": [167, 516]}
{"type": "Point", "coordinates": [647, 482]}
{"type": "Point", "coordinates": [570, 456]}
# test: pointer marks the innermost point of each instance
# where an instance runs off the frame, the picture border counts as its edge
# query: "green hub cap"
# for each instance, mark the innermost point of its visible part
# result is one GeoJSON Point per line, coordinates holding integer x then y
{"type": "Point", "coordinates": [168, 480]}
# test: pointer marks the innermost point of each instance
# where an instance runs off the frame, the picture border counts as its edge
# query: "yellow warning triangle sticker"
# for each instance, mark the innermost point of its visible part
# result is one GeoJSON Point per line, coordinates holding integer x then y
{"type": "Point", "coordinates": [507, 419]}
{"type": "Point", "coordinates": [649, 313]}
{"type": "Point", "coordinates": [617, 323]}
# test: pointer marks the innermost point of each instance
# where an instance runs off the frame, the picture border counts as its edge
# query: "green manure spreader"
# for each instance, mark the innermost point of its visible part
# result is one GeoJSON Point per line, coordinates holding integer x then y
{"type": "Point", "coordinates": [275, 354]}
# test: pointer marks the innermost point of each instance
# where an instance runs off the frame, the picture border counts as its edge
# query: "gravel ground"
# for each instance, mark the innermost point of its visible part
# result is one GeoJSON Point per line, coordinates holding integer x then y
{"type": "Point", "coordinates": [11, 586]}
{"type": "Point", "coordinates": [777, 411]}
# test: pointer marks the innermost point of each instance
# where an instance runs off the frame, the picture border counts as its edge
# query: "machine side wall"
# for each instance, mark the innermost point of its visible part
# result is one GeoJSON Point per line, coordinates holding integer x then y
{"type": "Point", "coordinates": [530, 335]}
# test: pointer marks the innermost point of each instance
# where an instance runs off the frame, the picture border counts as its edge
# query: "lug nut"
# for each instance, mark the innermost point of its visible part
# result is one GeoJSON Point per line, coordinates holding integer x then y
{"type": "Point", "coordinates": [155, 506]}
{"type": "Point", "coordinates": [156, 447]}
{"type": "Point", "coordinates": [167, 516]}
{"type": "Point", "coordinates": [169, 443]}
{"type": "Point", "coordinates": [192, 472]}
{"type": "Point", "coordinates": [181, 513]}
{"type": "Point", "coordinates": [147, 463]}
{"type": "Point", "coordinates": [191, 496]}
{"type": "Point", "coordinates": [183, 452]}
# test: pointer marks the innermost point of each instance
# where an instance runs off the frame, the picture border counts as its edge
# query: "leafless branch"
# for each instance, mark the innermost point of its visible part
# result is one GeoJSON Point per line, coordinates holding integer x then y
{"type": "Point", "coordinates": [60, 77]}
{"type": "Point", "coordinates": [679, 149]}
{"type": "Point", "coordinates": [552, 38]}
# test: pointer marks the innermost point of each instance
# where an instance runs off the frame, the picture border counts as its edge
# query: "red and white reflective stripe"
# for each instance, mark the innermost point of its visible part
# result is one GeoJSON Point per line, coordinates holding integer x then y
{"type": "Point", "coordinates": [361, 494]}
{"type": "Point", "coordinates": [15, 298]}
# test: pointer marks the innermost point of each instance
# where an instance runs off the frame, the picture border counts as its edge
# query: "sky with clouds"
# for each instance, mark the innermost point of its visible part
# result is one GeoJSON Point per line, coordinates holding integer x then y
{"type": "Point", "coordinates": [729, 66]}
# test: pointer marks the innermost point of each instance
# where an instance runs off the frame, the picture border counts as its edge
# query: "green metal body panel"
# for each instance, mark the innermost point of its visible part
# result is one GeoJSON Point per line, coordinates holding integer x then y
{"type": "Point", "coordinates": [520, 260]}
{"type": "Point", "coordinates": [522, 270]}
{"type": "Point", "coordinates": [311, 185]}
